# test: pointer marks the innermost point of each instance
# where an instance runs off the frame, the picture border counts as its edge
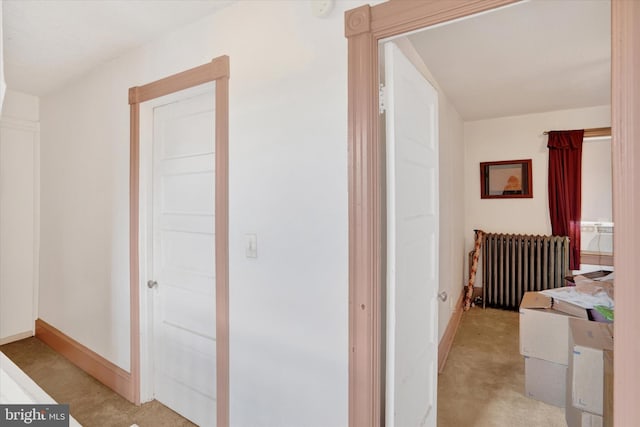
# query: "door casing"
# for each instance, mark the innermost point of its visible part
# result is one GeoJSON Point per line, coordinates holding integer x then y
{"type": "Point", "coordinates": [364, 27]}
{"type": "Point", "coordinates": [217, 70]}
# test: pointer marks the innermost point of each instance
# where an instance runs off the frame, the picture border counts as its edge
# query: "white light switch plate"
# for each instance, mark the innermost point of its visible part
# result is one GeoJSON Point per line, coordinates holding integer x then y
{"type": "Point", "coordinates": [251, 245]}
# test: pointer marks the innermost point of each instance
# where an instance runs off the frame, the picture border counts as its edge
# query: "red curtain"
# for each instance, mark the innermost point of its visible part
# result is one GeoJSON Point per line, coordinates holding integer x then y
{"type": "Point", "coordinates": [565, 189]}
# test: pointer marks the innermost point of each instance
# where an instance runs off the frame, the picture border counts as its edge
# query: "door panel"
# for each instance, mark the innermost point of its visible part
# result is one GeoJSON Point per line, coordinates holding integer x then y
{"type": "Point", "coordinates": [188, 252]}
{"type": "Point", "coordinates": [197, 200]}
{"type": "Point", "coordinates": [182, 134]}
{"type": "Point", "coordinates": [412, 242]}
{"type": "Point", "coordinates": [181, 310]}
{"type": "Point", "coordinates": [196, 348]}
{"type": "Point", "coordinates": [184, 306]}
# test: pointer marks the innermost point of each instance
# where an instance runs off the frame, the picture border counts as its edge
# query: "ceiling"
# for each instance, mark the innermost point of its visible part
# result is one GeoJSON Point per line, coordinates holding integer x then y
{"type": "Point", "coordinates": [49, 42]}
{"type": "Point", "coordinates": [536, 56]}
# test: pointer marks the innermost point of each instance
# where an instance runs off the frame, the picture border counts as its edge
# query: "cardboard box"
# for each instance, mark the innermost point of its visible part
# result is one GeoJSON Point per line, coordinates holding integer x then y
{"type": "Point", "coordinates": [591, 275]}
{"type": "Point", "coordinates": [545, 381]}
{"type": "Point", "coordinates": [587, 343]}
{"type": "Point", "coordinates": [591, 420]}
{"type": "Point", "coordinates": [577, 418]}
{"type": "Point", "coordinates": [544, 329]}
{"type": "Point", "coordinates": [574, 416]}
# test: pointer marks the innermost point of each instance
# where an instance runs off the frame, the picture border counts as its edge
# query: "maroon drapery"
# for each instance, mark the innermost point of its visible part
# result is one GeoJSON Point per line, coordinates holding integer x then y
{"type": "Point", "coordinates": [565, 189]}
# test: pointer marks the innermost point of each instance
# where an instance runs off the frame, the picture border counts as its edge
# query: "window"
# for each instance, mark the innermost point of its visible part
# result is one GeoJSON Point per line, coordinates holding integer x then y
{"type": "Point", "coordinates": [597, 219]}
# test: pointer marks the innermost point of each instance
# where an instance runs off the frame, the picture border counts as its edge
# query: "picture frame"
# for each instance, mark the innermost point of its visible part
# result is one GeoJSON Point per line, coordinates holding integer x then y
{"type": "Point", "coordinates": [506, 179]}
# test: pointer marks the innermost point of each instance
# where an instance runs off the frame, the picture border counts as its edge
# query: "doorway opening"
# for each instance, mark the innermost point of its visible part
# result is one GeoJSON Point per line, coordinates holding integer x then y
{"type": "Point", "coordinates": [365, 28]}
{"type": "Point", "coordinates": [187, 116]}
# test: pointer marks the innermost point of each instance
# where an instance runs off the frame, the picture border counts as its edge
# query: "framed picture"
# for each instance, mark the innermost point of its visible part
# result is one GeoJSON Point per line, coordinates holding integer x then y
{"type": "Point", "coordinates": [508, 179]}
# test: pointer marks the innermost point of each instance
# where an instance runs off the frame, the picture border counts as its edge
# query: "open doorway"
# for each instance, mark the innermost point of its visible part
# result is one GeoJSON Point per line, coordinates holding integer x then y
{"type": "Point", "coordinates": [496, 97]}
{"type": "Point", "coordinates": [365, 27]}
{"type": "Point", "coordinates": [179, 139]}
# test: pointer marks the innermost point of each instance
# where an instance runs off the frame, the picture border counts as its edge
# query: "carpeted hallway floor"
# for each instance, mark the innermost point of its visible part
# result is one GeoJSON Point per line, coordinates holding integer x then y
{"type": "Point", "coordinates": [482, 384]}
{"type": "Point", "coordinates": [483, 381]}
{"type": "Point", "coordinates": [90, 403]}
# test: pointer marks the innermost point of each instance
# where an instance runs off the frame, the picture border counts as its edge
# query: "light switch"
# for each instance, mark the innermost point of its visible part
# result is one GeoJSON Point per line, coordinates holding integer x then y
{"type": "Point", "coordinates": [251, 245]}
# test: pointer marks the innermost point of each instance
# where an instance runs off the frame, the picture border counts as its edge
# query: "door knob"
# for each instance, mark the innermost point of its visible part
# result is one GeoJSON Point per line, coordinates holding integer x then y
{"type": "Point", "coordinates": [152, 284]}
{"type": "Point", "coordinates": [442, 296]}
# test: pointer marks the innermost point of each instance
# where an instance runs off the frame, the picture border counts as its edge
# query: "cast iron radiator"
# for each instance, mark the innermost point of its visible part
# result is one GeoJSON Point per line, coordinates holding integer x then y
{"type": "Point", "coordinates": [514, 264]}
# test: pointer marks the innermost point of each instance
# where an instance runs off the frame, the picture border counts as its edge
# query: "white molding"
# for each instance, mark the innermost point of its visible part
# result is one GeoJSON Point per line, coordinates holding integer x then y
{"type": "Point", "coordinates": [16, 337]}
{"type": "Point", "coordinates": [36, 225]}
{"type": "Point", "coordinates": [144, 237]}
{"type": "Point", "coordinates": [21, 124]}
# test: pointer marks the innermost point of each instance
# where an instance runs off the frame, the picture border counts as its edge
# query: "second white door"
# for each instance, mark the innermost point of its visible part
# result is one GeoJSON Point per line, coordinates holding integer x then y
{"type": "Point", "coordinates": [183, 272]}
{"type": "Point", "coordinates": [412, 244]}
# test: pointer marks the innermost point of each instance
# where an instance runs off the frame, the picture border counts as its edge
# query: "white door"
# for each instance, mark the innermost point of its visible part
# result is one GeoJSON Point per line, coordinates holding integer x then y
{"type": "Point", "coordinates": [184, 302]}
{"type": "Point", "coordinates": [412, 244]}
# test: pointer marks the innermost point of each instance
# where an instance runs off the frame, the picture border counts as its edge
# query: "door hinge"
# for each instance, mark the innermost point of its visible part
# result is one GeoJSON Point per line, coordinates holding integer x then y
{"type": "Point", "coordinates": [382, 99]}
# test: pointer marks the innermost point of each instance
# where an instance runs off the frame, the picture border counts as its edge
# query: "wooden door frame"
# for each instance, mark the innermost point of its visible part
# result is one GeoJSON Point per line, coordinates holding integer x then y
{"type": "Point", "coordinates": [217, 70]}
{"type": "Point", "coordinates": [365, 26]}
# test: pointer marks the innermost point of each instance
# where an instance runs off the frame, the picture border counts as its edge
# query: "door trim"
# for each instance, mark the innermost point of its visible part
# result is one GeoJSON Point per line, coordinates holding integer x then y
{"type": "Point", "coordinates": [364, 27]}
{"type": "Point", "coordinates": [625, 138]}
{"type": "Point", "coordinates": [217, 70]}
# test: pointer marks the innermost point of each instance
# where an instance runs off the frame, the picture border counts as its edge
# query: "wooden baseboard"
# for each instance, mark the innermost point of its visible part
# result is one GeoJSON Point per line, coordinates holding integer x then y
{"type": "Point", "coordinates": [449, 334]}
{"type": "Point", "coordinates": [89, 361]}
{"type": "Point", "coordinates": [16, 337]}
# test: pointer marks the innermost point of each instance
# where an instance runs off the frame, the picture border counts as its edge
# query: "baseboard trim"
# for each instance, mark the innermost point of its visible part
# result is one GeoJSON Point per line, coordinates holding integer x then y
{"type": "Point", "coordinates": [89, 361]}
{"type": "Point", "coordinates": [16, 337]}
{"type": "Point", "coordinates": [450, 333]}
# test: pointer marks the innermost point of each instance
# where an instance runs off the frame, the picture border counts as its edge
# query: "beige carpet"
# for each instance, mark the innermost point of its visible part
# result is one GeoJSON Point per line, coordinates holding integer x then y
{"type": "Point", "coordinates": [483, 381]}
{"type": "Point", "coordinates": [482, 384]}
{"type": "Point", "coordinates": [91, 403]}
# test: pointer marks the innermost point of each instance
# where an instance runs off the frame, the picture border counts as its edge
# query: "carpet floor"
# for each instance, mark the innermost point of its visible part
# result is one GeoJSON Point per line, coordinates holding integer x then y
{"type": "Point", "coordinates": [482, 384]}
{"type": "Point", "coordinates": [90, 403]}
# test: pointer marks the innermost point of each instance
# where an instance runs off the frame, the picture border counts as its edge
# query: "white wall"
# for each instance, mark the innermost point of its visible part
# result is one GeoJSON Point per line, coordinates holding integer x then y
{"type": "Point", "coordinates": [288, 184]}
{"type": "Point", "coordinates": [18, 215]}
{"type": "Point", "coordinates": [511, 138]}
{"type": "Point", "coordinates": [452, 203]}
{"type": "Point", "coordinates": [451, 192]}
